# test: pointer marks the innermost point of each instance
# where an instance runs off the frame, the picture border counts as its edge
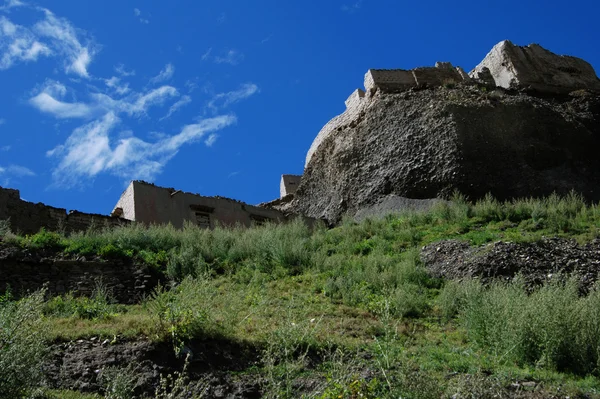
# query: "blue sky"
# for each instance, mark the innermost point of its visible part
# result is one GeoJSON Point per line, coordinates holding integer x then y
{"type": "Point", "coordinates": [220, 97]}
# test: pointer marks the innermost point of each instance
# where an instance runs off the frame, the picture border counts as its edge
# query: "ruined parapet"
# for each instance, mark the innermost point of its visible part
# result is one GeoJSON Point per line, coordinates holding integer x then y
{"type": "Point", "coordinates": [289, 184]}
{"type": "Point", "coordinates": [535, 68]}
{"type": "Point", "coordinates": [28, 218]}
{"type": "Point", "coordinates": [355, 103]}
{"type": "Point", "coordinates": [388, 81]}
{"type": "Point", "coordinates": [398, 80]}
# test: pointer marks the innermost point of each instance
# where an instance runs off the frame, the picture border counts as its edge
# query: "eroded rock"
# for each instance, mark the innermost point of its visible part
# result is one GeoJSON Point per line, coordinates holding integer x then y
{"type": "Point", "coordinates": [535, 68]}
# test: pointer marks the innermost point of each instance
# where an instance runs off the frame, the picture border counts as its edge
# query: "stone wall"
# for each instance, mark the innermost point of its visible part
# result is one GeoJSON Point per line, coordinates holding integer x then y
{"type": "Point", "coordinates": [388, 81]}
{"type": "Point", "coordinates": [355, 104]}
{"type": "Point", "coordinates": [397, 80]}
{"type": "Point", "coordinates": [28, 218]}
{"type": "Point", "coordinates": [289, 184]}
{"type": "Point", "coordinates": [23, 273]}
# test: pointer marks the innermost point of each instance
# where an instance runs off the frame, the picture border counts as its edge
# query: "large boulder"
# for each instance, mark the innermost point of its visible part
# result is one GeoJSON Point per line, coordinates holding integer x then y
{"type": "Point", "coordinates": [535, 68]}
{"type": "Point", "coordinates": [426, 132]}
{"type": "Point", "coordinates": [427, 143]}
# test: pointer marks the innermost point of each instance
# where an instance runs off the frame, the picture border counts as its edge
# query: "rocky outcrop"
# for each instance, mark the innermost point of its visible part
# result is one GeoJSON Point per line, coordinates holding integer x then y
{"type": "Point", "coordinates": [535, 68]}
{"type": "Point", "coordinates": [535, 262]}
{"type": "Point", "coordinates": [425, 141]}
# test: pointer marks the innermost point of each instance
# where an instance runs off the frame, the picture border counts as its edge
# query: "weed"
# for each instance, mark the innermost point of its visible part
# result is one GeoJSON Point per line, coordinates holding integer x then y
{"type": "Point", "coordinates": [22, 347]}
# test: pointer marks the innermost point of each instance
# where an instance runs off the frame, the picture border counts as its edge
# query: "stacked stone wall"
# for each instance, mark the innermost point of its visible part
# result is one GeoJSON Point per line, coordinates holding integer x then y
{"type": "Point", "coordinates": [28, 218]}
{"type": "Point", "coordinates": [127, 283]}
{"type": "Point", "coordinates": [355, 104]}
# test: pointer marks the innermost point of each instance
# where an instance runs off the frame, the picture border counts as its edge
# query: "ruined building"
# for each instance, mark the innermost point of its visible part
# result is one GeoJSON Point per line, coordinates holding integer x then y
{"type": "Point", "coordinates": [150, 204]}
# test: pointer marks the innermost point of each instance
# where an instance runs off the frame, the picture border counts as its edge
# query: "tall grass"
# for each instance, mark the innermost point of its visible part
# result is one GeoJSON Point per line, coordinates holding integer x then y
{"type": "Point", "coordinates": [552, 327]}
{"type": "Point", "coordinates": [22, 347]}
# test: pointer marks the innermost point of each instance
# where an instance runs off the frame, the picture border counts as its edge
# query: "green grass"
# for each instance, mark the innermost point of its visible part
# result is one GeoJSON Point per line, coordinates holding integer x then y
{"type": "Point", "coordinates": [333, 306]}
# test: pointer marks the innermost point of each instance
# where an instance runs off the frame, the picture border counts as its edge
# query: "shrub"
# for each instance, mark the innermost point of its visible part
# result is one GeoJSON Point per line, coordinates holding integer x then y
{"type": "Point", "coordinates": [45, 240]}
{"type": "Point", "coordinates": [22, 347]}
{"type": "Point", "coordinates": [552, 327]}
{"type": "Point", "coordinates": [180, 312]}
{"type": "Point", "coordinates": [99, 306]}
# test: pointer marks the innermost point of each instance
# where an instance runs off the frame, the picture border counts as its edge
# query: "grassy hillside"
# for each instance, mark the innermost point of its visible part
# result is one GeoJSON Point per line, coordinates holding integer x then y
{"type": "Point", "coordinates": [349, 312]}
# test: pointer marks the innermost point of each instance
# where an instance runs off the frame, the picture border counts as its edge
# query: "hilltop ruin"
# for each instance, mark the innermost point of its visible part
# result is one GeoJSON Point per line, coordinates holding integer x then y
{"type": "Point", "coordinates": [524, 122]}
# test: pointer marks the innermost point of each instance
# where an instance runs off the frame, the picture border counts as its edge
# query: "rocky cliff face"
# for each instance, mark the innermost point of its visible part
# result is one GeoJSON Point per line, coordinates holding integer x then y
{"type": "Point", "coordinates": [471, 136]}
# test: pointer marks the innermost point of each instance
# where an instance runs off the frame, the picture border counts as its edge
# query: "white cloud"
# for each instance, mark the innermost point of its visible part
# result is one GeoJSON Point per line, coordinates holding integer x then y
{"type": "Point", "coordinates": [138, 13]}
{"type": "Point", "coordinates": [17, 171]}
{"type": "Point", "coordinates": [154, 97]}
{"type": "Point", "coordinates": [49, 100]}
{"type": "Point", "coordinates": [12, 4]}
{"type": "Point", "coordinates": [18, 44]}
{"type": "Point", "coordinates": [232, 57]}
{"type": "Point", "coordinates": [223, 100]}
{"type": "Point", "coordinates": [182, 102]}
{"type": "Point", "coordinates": [353, 7]}
{"type": "Point", "coordinates": [5, 148]}
{"type": "Point", "coordinates": [165, 74]}
{"type": "Point", "coordinates": [206, 54]}
{"type": "Point", "coordinates": [48, 104]}
{"type": "Point", "coordinates": [64, 39]}
{"type": "Point", "coordinates": [120, 69]}
{"type": "Point", "coordinates": [211, 140]}
{"type": "Point", "coordinates": [2, 121]}
{"type": "Point", "coordinates": [89, 151]}
{"type": "Point", "coordinates": [118, 87]}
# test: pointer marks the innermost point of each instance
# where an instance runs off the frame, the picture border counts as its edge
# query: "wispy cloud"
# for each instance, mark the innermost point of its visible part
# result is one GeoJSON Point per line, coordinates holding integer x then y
{"type": "Point", "coordinates": [181, 103]}
{"type": "Point", "coordinates": [16, 171]}
{"type": "Point", "coordinates": [49, 36]}
{"type": "Point", "coordinates": [222, 18]}
{"type": "Point", "coordinates": [138, 13]}
{"type": "Point", "coordinates": [5, 148]}
{"type": "Point", "coordinates": [352, 7]}
{"type": "Point", "coordinates": [8, 4]}
{"type": "Point", "coordinates": [115, 84]}
{"type": "Point", "coordinates": [211, 140]}
{"type": "Point", "coordinates": [120, 69]}
{"type": "Point", "coordinates": [19, 44]}
{"type": "Point", "coordinates": [2, 121]}
{"type": "Point", "coordinates": [89, 151]}
{"type": "Point", "coordinates": [207, 54]}
{"type": "Point", "coordinates": [65, 41]}
{"type": "Point", "coordinates": [232, 57]}
{"type": "Point", "coordinates": [50, 100]}
{"type": "Point", "coordinates": [165, 74]}
{"type": "Point", "coordinates": [223, 100]}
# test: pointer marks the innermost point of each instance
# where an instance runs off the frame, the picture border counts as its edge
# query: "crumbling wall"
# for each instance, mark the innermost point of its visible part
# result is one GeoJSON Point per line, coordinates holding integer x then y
{"type": "Point", "coordinates": [355, 104]}
{"type": "Point", "coordinates": [289, 184]}
{"type": "Point", "coordinates": [28, 218]}
{"type": "Point", "coordinates": [160, 205]}
{"type": "Point", "coordinates": [388, 81]}
{"type": "Point", "coordinates": [397, 80]}
{"type": "Point", "coordinates": [126, 282]}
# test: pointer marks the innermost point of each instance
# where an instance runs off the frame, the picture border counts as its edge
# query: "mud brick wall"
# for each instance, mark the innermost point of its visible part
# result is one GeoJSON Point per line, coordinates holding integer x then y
{"type": "Point", "coordinates": [28, 218]}
{"type": "Point", "coordinates": [127, 283]}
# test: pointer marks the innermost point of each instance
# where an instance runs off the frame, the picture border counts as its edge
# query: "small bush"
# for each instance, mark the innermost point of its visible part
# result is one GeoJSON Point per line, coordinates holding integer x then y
{"type": "Point", "coordinates": [552, 327]}
{"type": "Point", "coordinates": [22, 347]}
{"type": "Point", "coordinates": [180, 312]}
{"type": "Point", "coordinates": [45, 240]}
{"type": "Point", "coordinates": [99, 306]}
